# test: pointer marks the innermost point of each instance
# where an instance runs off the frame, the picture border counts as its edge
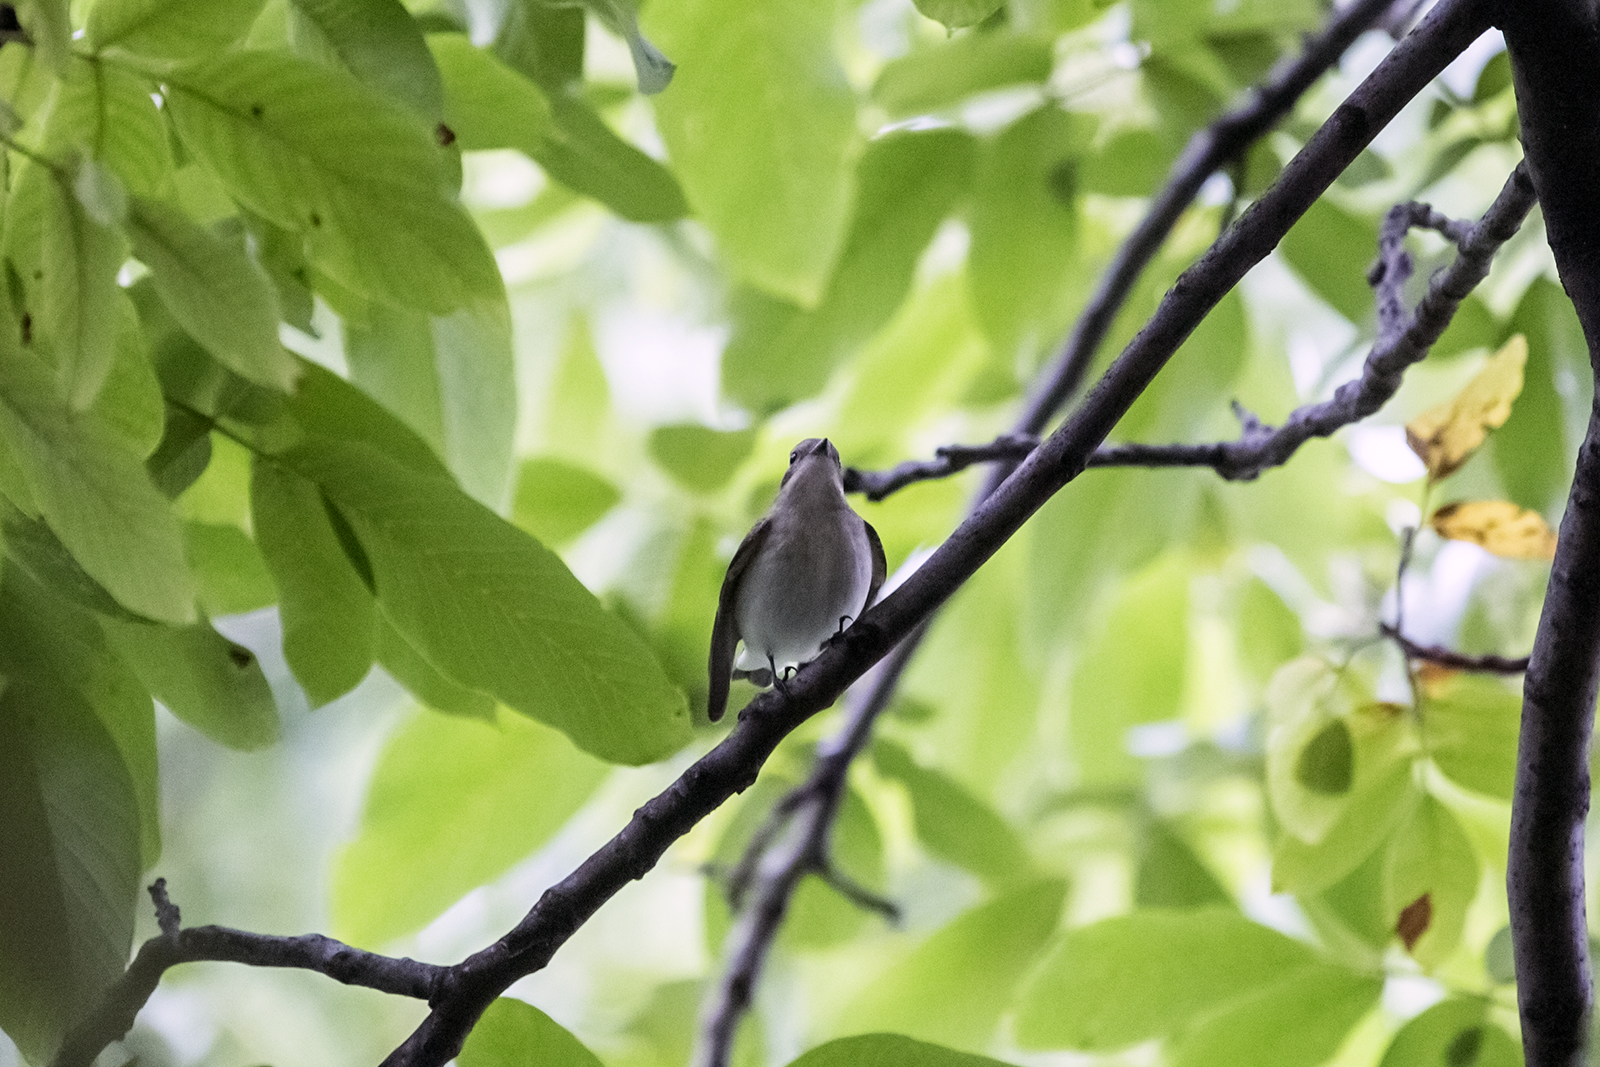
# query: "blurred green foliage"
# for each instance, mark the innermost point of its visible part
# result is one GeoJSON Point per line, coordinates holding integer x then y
{"type": "Point", "coordinates": [444, 368]}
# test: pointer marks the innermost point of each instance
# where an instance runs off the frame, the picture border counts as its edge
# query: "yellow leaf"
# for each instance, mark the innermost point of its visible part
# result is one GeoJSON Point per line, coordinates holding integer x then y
{"type": "Point", "coordinates": [1447, 435]}
{"type": "Point", "coordinates": [1499, 526]}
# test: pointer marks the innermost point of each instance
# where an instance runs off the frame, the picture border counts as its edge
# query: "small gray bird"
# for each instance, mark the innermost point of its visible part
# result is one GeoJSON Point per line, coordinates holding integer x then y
{"type": "Point", "coordinates": [807, 570]}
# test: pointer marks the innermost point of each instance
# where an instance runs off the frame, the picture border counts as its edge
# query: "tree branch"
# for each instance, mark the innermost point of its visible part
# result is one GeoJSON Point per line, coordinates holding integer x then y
{"type": "Point", "coordinates": [114, 1015]}
{"type": "Point", "coordinates": [1553, 44]}
{"type": "Point", "coordinates": [1402, 341]}
{"type": "Point", "coordinates": [1457, 661]}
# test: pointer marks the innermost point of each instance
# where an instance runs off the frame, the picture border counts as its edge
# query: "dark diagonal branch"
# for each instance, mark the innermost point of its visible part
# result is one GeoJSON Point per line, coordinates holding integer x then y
{"type": "Point", "coordinates": [1456, 661]}
{"type": "Point", "coordinates": [174, 945]}
{"type": "Point", "coordinates": [1403, 340]}
{"type": "Point", "coordinates": [1553, 45]}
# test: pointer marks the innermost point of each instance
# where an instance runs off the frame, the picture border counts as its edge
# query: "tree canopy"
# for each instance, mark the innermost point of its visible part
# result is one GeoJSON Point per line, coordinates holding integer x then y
{"type": "Point", "coordinates": [384, 388]}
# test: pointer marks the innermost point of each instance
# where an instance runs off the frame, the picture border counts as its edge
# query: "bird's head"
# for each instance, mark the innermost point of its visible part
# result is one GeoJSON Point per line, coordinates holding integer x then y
{"type": "Point", "coordinates": [814, 458]}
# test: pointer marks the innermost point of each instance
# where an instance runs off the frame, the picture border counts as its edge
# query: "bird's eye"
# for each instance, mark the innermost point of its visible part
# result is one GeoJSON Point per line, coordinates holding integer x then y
{"type": "Point", "coordinates": [793, 456]}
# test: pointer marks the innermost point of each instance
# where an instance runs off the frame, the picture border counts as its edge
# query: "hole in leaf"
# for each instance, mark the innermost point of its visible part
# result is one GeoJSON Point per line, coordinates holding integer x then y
{"type": "Point", "coordinates": [240, 656]}
{"type": "Point", "coordinates": [1415, 920]}
{"type": "Point", "coordinates": [446, 135]}
{"type": "Point", "coordinates": [1327, 764]}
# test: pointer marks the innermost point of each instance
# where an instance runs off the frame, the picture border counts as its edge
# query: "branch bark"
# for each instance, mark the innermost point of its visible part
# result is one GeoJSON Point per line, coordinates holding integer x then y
{"type": "Point", "coordinates": [1553, 45]}
{"type": "Point", "coordinates": [1402, 341]}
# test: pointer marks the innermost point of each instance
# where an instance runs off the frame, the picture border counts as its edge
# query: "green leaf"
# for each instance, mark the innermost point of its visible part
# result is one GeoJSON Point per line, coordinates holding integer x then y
{"type": "Point", "coordinates": [206, 680]}
{"type": "Point", "coordinates": [1453, 1033]}
{"type": "Point", "coordinates": [1374, 808]}
{"type": "Point", "coordinates": [1429, 858]}
{"type": "Point", "coordinates": [169, 29]}
{"type": "Point", "coordinates": [228, 568]}
{"type": "Point", "coordinates": [93, 491]}
{"type": "Point", "coordinates": [543, 42]}
{"type": "Point", "coordinates": [490, 105]}
{"type": "Point", "coordinates": [1132, 163]}
{"type": "Point", "coordinates": [381, 44]}
{"type": "Point", "coordinates": [494, 610]}
{"type": "Point", "coordinates": [907, 183]}
{"type": "Point", "coordinates": [45, 639]}
{"type": "Point", "coordinates": [49, 24]}
{"type": "Point", "coordinates": [1298, 1022]}
{"type": "Point", "coordinates": [451, 379]}
{"type": "Point", "coordinates": [952, 823]}
{"type": "Point", "coordinates": [888, 1050]}
{"type": "Point", "coordinates": [1170, 874]}
{"type": "Point", "coordinates": [1471, 727]}
{"type": "Point", "coordinates": [68, 262]}
{"type": "Point", "coordinates": [1025, 228]}
{"type": "Point", "coordinates": [953, 987]}
{"type": "Point", "coordinates": [33, 546]}
{"type": "Point", "coordinates": [1311, 766]}
{"type": "Point", "coordinates": [215, 291]}
{"type": "Point", "coordinates": [1122, 680]}
{"type": "Point", "coordinates": [557, 501]}
{"type": "Point", "coordinates": [69, 858]}
{"type": "Point", "coordinates": [107, 112]}
{"type": "Point", "coordinates": [1534, 451]}
{"type": "Point", "coordinates": [514, 1033]}
{"type": "Point", "coordinates": [433, 690]}
{"type": "Point", "coordinates": [1331, 249]}
{"type": "Point", "coordinates": [317, 153]}
{"type": "Point", "coordinates": [699, 457]}
{"type": "Point", "coordinates": [932, 78]}
{"type": "Point", "coordinates": [760, 124]}
{"type": "Point", "coordinates": [1150, 974]}
{"type": "Point", "coordinates": [327, 612]}
{"type": "Point", "coordinates": [956, 14]}
{"type": "Point", "coordinates": [454, 803]}
{"type": "Point", "coordinates": [130, 402]}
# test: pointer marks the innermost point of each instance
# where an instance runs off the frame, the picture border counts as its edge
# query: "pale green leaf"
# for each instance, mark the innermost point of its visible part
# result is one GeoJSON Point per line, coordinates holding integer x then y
{"type": "Point", "coordinates": [49, 25]}
{"type": "Point", "coordinates": [1025, 227]}
{"type": "Point", "coordinates": [228, 569]}
{"type": "Point", "coordinates": [67, 263]}
{"type": "Point", "coordinates": [1453, 1033]}
{"type": "Point", "coordinates": [454, 803]}
{"type": "Point", "coordinates": [1297, 1022]}
{"type": "Point", "coordinates": [952, 823]}
{"type": "Point", "coordinates": [513, 1033]}
{"type": "Point", "coordinates": [216, 292]}
{"type": "Point", "coordinates": [1430, 876]}
{"type": "Point", "coordinates": [699, 457]}
{"type": "Point", "coordinates": [1149, 974]}
{"type": "Point", "coordinates": [382, 45]}
{"type": "Point", "coordinates": [319, 154]}
{"type": "Point", "coordinates": [760, 125]}
{"type": "Point", "coordinates": [1331, 249]}
{"type": "Point", "coordinates": [1170, 874]}
{"type": "Point", "coordinates": [954, 986]}
{"type": "Point", "coordinates": [1374, 808]}
{"type": "Point", "coordinates": [956, 14]}
{"type": "Point", "coordinates": [433, 690]}
{"type": "Point", "coordinates": [69, 858]}
{"type": "Point", "coordinates": [169, 29]}
{"type": "Point", "coordinates": [494, 610]}
{"type": "Point", "coordinates": [130, 401]}
{"type": "Point", "coordinates": [211, 683]}
{"type": "Point", "coordinates": [326, 610]}
{"type": "Point", "coordinates": [93, 491]}
{"type": "Point", "coordinates": [1471, 724]}
{"type": "Point", "coordinates": [888, 1050]}
{"type": "Point", "coordinates": [937, 77]}
{"type": "Point", "coordinates": [450, 379]}
{"type": "Point", "coordinates": [557, 501]}
{"type": "Point", "coordinates": [107, 112]}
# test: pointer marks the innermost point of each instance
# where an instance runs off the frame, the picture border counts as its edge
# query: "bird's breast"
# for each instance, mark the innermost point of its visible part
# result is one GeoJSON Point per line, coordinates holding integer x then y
{"type": "Point", "coordinates": [809, 579]}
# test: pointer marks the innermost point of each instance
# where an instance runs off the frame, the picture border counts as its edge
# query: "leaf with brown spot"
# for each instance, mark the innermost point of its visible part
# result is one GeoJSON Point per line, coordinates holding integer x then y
{"type": "Point", "coordinates": [1446, 436]}
{"type": "Point", "coordinates": [1415, 920]}
{"type": "Point", "coordinates": [1499, 526]}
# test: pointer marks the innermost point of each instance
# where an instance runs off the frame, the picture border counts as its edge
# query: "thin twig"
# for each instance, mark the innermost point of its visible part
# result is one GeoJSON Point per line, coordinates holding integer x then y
{"type": "Point", "coordinates": [1260, 447]}
{"type": "Point", "coordinates": [120, 1003]}
{"type": "Point", "coordinates": [1456, 661]}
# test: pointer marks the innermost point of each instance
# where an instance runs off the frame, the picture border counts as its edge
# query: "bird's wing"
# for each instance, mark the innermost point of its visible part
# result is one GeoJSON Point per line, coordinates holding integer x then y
{"type": "Point", "coordinates": [725, 632]}
{"type": "Point", "coordinates": [880, 566]}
